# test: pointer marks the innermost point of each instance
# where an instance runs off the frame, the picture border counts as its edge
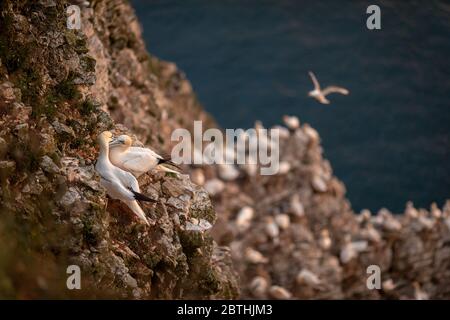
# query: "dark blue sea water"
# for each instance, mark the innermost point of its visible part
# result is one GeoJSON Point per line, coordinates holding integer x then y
{"type": "Point", "coordinates": [389, 140]}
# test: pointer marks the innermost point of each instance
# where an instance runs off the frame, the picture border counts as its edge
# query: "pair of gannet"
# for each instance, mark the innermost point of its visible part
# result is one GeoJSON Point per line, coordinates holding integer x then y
{"type": "Point", "coordinates": [119, 184]}
{"type": "Point", "coordinates": [118, 166]}
{"type": "Point", "coordinates": [319, 94]}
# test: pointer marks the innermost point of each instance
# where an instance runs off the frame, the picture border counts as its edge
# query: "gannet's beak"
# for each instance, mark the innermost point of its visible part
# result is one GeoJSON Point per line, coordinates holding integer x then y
{"type": "Point", "coordinates": [114, 142]}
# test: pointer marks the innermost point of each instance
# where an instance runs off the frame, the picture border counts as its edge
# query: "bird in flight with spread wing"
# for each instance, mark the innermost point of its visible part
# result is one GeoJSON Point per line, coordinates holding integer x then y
{"type": "Point", "coordinates": [320, 94]}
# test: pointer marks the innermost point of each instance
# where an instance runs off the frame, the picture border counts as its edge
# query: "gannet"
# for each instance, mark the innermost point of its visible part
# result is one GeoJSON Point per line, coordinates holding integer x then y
{"type": "Point", "coordinates": [244, 218]}
{"type": "Point", "coordinates": [118, 183]}
{"type": "Point", "coordinates": [435, 211]}
{"type": "Point", "coordinates": [135, 159]}
{"type": "Point", "coordinates": [388, 285]}
{"type": "Point", "coordinates": [284, 167]}
{"type": "Point", "coordinates": [279, 293]}
{"type": "Point", "coordinates": [292, 122]}
{"type": "Point", "coordinates": [214, 186]}
{"type": "Point", "coordinates": [296, 206]}
{"type": "Point", "coordinates": [410, 211]}
{"type": "Point", "coordinates": [351, 249]}
{"type": "Point", "coordinates": [228, 172]}
{"type": "Point", "coordinates": [325, 239]}
{"type": "Point", "coordinates": [272, 228]}
{"type": "Point", "coordinates": [254, 256]}
{"type": "Point", "coordinates": [320, 94]}
{"type": "Point", "coordinates": [283, 221]}
{"type": "Point", "coordinates": [419, 294]}
{"type": "Point", "coordinates": [388, 222]}
{"type": "Point", "coordinates": [307, 277]}
{"type": "Point", "coordinates": [198, 177]}
{"type": "Point", "coordinates": [259, 286]}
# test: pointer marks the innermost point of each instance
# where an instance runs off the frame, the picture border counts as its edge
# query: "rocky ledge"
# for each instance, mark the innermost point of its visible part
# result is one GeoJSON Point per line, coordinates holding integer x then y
{"type": "Point", "coordinates": [59, 89]}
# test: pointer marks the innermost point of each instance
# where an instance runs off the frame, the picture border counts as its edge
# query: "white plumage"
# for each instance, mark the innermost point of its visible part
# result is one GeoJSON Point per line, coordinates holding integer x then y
{"type": "Point", "coordinates": [319, 94]}
{"type": "Point", "coordinates": [135, 159]}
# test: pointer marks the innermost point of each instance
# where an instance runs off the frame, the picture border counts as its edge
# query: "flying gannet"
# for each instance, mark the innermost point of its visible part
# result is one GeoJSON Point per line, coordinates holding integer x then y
{"type": "Point", "coordinates": [319, 94]}
{"type": "Point", "coordinates": [135, 159]}
{"type": "Point", "coordinates": [118, 183]}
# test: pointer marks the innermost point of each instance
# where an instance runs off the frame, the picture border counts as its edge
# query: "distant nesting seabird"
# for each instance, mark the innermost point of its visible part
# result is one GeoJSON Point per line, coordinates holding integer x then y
{"type": "Point", "coordinates": [135, 159]}
{"type": "Point", "coordinates": [292, 122]}
{"type": "Point", "coordinates": [118, 183]}
{"type": "Point", "coordinates": [320, 94]}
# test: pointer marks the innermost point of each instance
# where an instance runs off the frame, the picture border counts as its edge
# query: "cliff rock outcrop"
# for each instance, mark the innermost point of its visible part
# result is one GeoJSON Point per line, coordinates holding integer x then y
{"type": "Point", "coordinates": [59, 89]}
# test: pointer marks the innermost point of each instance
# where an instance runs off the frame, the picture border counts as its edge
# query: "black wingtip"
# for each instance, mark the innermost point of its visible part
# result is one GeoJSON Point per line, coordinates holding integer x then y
{"type": "Point", "coordinates": [141, 197]}
{"type": "Point", "coordinates": [169, 162]}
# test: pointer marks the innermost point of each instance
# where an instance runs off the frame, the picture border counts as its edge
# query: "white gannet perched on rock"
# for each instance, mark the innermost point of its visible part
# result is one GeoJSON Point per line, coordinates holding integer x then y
{"type": "Point", "coordinates": [279, 293]}
{"type": "Point", "coordinates": [119, 184]}
{"type": "Point", "coordinates": [351, 250]}
{"type": "Point", "coordinates": [308, 278]}
{"type": "Point", "coordinates": [284, 167]}
{"type": "Point", "coordinates": [311, 134]}
{"type": "Point", "coordinates": [410, 211]}
{"type": "Point", "coordinates": [259, 286]}
{"type": "Point", "coordinates": [292, 122]}
{"type": "Point", "coordinates": [419, 294]}
{"type": "Point", "coordinates": [214, 186]}
{"type": "Point", "coordinates": [325, 241]}
{"type": "Point", "coordinates": [283, 221]}
{"type": "Point", "coordinates": [296, 206]}
{"type": "Point", "coordinates": [388, 285]}
{"type": "Point", "coordinates": [228, 172]}
{"type": "Point", "coordinates": [271, 228]}
{"type": "Point", "coordinates": [244, 218]}
{"type": "Point", "coordinates": [320, 94]}
{"type": "Point", "coordinates": [387, 221]}
{"type": "Point", "coordinates": [254, 256]}
{"type": "Point", "coordinates": [436, 213]}
{"type": "Point", "coordinates": [136, 160]}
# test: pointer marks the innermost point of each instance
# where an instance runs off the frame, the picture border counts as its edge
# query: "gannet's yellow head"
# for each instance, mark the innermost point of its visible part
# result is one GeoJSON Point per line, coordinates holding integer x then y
{"type": "Point", "coordinates": [104, 138]}
{"type": "Point", "coordinates": [123, 141]}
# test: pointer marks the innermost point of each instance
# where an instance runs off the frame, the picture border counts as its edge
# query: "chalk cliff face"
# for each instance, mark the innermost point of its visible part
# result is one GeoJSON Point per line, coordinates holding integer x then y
{"type": "Point", "coordinates": [60, 88]}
